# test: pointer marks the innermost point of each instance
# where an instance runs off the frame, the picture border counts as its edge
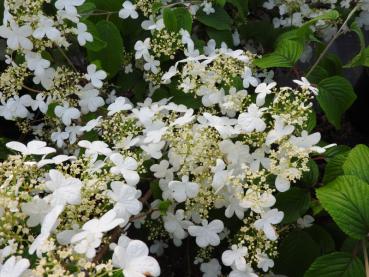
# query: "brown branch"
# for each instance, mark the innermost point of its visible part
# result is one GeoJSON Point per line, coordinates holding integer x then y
{"type": "Point", "coordinates": [118, 231]}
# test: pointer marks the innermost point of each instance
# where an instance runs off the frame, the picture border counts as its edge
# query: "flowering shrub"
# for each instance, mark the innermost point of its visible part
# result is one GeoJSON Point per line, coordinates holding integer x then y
{"type": "Point", "coordinates": [160, 131]}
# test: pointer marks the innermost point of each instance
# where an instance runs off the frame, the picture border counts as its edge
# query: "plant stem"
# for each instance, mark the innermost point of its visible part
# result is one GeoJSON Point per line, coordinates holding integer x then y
{"type": "Point", "coordinates": [31, 89]}
{"type": "Point", "coordinates": [67, 59]}
{"type": "Point", "coordinates": [336, 35]}
{"type": "Point", "coordinates": [365, 258]}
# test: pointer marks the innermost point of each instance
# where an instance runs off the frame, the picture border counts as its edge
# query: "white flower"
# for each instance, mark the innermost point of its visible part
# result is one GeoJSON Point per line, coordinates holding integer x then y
{"type": "Point", "coordinates": [36, 63]}
{"type": "Point", "coordinates": [285, 176]}
{"type": "Point", "coordinates": [305, 222]}
{"type": "Point", "coordinates": [264, 262]}
{"type": "Point", "coordinates": [135, 261]}
{"type": "Point", "coordinates": [158, 247]}
{"type": "Point", "coordinates": [55, 160]}
{"type": "Point", "coordinates": [73, 131]}
{"type": "Point", "coordinates": [45, 27]}
{"type": "Point", "coordinates": [48, 224]}
{"type": "Point", "coordinates": [305, 85]}
{"type": "Point", "coordinates": [180, 191]}
{"type": "Point", "coordinates": [90, 100]}
{"type": "Point", "coordinates": [252, 120]}
{"type": "Point", "coordinates": [16, 107]}
{"type": "Point", "coordinates": [34, 147]}
{"type": "Point", "coordinates": [92, 232]}
{"type": "Point", "coordinates": [151, 64]}
{"type": "Point", "coordinates": [265, 223]}
{"type": "Point", "coordinates": [125, 166]}
{"type": "Point", "coordinates": [185, 119]}
{"type": "Point", "coordinates": [207, 234]}
{"type": "Point", "coordinates": [211, 268]}
{"type": "Point", "coordinates": [69, 5]}
{"type": "Point", "coordinates": [17, 37]}
{"type": "Point", "coordinates": [120, 104]}
{"type": "Point", "coordinates": [248, 272]}
{"type": "Point", "coordinates": [161, 170]}
{"type": "Point", "coordinates": [307, 142]}
{"type": "Point", "coordinates": [237, 153]}
{"type": "Point", "coordinates": [280, 130]}
{"type": "Point", "coordinates": [67, 114]}
{"type": "Point", "coordinates": [37, 209]}
{"type": "Point", "coordinates": [248, 79]}
{"type": "Point", "coordinates": [129, 10]}
{"type": "Point", "coordinates": [222, 124]}
{"type": "Point", "coordinates": [126, 199]}
{"type": "Point", "coordinates": [235, 257]}
{"type": "Point", "coordinates": [59, 137]}
{"type": "Point", "coordinates": [82, 35]}
{"type": "Point", "coordinates": [208, 7]}
{"type": "Point", "coordinates": [153, 149]}
{"type": "Point", "coordinates": [46, 78]}
{"type": "Point", "coordinates": [94, 76]}
{"type": "Point", "coordinates": [64, 190]}
{"type": "Point", "coordinates": [176, 224]}
{"type": "Point", "coordinates": [221, 175]}
{"type": "Point", "coordinates": [95, 148]}
{"type": "Point", "coordinates": [142, 48]}
{"type": "Point", "coordinates": [256, 201]}
{"type": "Point", "coordinates": [39, 103]}
{"type": "Point", "coordinates": [263, 90]}
{"type": "Point", "coordinates": [14, 267]}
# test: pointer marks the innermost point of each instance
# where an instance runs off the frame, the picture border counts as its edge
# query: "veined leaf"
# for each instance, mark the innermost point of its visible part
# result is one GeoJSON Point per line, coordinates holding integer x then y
{"type": "Point", "coordinates": [335, 96]}
{"type": "Point", "coordinates": [346, 200]}
{"type": "Point", "coordinates": [286, 54]}
{"type": "Point", "coordinates": [336, 264]}
{"type": "Point", "coordinates": [357, 162]}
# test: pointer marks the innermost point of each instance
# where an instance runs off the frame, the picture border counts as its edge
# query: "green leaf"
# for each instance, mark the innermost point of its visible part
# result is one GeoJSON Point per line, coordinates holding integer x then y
{"type": "Point", "coordinates": [241, 5]}
{"type": "Point", "coordinates": [97, 44]}
{"type": "Point", "coordinates": [322, 238]}
{"type": "Point", "coordinates": [286, 54]}
{"type": "Point", "coordinates": [219, 20]}
{"type": "Point", "coordinates": [164, 205]}
{"type": "Point", "coordinates": [310, 177]}
{"type": "Point", "coordinates": [220, 36]}
{"type": "Point", "coordinates": [335, 96]}
{"type": "Point", "coordinates": [184, 19]}
{"type": "Point", "coordinates": [294, 203]}
{"type": "Point", "coordinates": [86, 8]}
{"type": "Point", "coordinates": [337, 264]}
{"type": "Point", "coordinates": [170, 20]}
{"type": "Point", "coordinates": [346, 200]}
{"type": "Point", "coordinates": [296, 252]}
{"type": "Point", "coordinates": [220, 2]}
{"type": "Point", "coordinates": [330, 15]}
{"type": "Point", "coordinates": [111, 57]}
{"type": "Point", "coordinates": [362, 58]}
{"type": "Point", "coordinates": [357, 162]}
{"type": "Point", "coordinates": [333, 168]}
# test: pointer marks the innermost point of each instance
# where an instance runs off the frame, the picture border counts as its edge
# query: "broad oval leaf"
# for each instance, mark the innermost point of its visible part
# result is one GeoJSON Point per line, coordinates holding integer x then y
{"type": "Point", "coordinates": [346, 200]}
{"type": "Point", "coordinates": [357, 162]}
{"type": "Point", "coordinates": [111, 56]}
{"type": "Point", "coordinates": [336, 264]}
{"type": "Point", "coordinates": [219, 20]}
{"type": "Point", "coordinates": [286, 54]}
{"type": "Point", "coordinates": [335, 96]}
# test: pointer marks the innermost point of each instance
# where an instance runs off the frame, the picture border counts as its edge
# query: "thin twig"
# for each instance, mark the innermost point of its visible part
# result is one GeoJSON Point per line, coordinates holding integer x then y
{"type": "Point", "coordinates": [67, 59]}
{"type": "Point", "coordinates": [336, 35]}
{"type": "Point", "coordinates": [118, 231]}
{"type": "Point", "coordinates": [31, 89]}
